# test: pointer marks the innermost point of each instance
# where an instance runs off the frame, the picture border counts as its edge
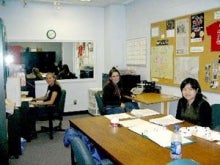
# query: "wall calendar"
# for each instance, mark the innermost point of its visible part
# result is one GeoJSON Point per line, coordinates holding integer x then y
{"type": "Point", "coordinates": [136, 52]}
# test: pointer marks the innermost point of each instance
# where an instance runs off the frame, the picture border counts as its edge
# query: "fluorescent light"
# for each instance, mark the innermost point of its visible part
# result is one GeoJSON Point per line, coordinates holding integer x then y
{"type": "Point", "coordinates": [85, 0]}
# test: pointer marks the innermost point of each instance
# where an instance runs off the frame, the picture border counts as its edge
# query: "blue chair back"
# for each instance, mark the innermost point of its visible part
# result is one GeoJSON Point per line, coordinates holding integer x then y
{"type": "Point", "coordinates": [99, 102]}
{"type": "Point", "coordinates": [81, 154]}
{"type": "Point", "coordinates": [183, 162]}
{"type": "Point", "coordinates": [215, 116]}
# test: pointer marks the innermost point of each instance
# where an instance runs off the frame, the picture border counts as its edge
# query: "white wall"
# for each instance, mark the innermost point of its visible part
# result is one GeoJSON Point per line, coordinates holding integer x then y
{"type": "Point", "coordinates": [114, 37]}
{"type": "Point", "coordinates": [71, 23]}
{"type": "Point", "coordinates": [108, 27]}
{"type": "Point", "coordinates": [141, 13]}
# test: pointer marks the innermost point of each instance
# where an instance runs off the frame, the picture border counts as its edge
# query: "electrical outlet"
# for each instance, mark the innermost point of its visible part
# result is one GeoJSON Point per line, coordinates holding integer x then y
{"type": "Point", "coordinates": [74, 102]}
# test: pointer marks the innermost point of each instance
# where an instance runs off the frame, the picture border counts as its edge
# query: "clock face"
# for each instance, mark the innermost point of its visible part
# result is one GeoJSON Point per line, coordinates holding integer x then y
{"type": "Point", "coordinates": [51, 34]}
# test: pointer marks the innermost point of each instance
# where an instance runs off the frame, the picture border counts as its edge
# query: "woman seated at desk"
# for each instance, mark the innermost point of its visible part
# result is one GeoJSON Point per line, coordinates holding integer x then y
{"type": "Point", "coordinates": [113, 99]}
{"type": "Point", "coordinates": [51, 98]}
{"type": "Point", "coordinates": [193, 107]}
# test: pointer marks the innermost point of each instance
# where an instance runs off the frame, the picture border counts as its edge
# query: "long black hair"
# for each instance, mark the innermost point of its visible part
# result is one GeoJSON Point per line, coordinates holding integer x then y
{"type": "Point", "coordinates": [195, 85]}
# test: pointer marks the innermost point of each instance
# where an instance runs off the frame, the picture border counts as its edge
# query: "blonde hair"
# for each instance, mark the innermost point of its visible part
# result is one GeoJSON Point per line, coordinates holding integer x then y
{"type": "Point", "coordinates": [54, 76]}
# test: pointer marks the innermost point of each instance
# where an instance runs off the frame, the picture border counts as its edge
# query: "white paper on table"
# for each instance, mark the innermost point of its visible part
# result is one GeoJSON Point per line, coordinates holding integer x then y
{"type": "Point", "coordinates": [163, 137]}
{"type": "Point", "coordinates": [143, 112]}
{"type": "Point", "coordinates": [133, 122]}
{"type": "Point", "coordinates": [166, 120]}
{"type": "Point", "coordinates": [202, 132]}
{"type": "Point", "coordinates": [119, 116]}
{"type": "Point", "coordinates": [145, 128]}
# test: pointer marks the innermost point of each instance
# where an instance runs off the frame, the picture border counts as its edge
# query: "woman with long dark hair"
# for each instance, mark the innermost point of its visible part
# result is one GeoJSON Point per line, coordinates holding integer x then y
{"type": "Point", "coordinates": [193, 106]}
{"type": "Point", "coordinates": [113, 95]}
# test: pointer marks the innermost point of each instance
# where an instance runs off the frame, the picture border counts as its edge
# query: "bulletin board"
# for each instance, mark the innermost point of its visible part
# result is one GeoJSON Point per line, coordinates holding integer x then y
{"type": "Point", "coordinates": [136, 52]}
{"type": "Point", "coordinates": [187, 46]}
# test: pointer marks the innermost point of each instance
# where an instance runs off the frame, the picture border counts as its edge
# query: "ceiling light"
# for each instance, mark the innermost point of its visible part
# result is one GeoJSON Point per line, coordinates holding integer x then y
{"type": "Point", "coordinates": [85, 0]}
{"type": "Point", "coordinates": [57, 5]}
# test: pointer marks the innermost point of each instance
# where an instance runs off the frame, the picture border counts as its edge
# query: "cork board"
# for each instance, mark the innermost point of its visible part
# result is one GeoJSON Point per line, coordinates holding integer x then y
{"type": "Point", "coordinates": [187, 46]}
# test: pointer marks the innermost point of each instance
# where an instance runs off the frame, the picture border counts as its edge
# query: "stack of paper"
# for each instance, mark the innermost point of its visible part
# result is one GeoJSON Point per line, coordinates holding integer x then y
{"type": "Point", "coordinates": [140, 126]}
{"type": "Point", "coordinates": [157, 133]}
{"type": "Point", "coordinates": [162, 137]}
{"type": "Point", "coordinates": [202, 132]}
{"type": "Point", "coordinates": [143, 112]}
{"type": "Point", "coordinates": [119, 116]}
{"type": "Point", "coordinates": [166, 120]}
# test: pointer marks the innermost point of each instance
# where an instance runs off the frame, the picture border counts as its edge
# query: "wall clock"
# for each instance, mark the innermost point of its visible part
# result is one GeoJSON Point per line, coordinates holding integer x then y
{"type": "Point", "coordinates": [51, 34]}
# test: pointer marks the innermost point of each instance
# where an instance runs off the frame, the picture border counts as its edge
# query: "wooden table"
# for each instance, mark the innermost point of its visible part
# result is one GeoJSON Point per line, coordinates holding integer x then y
{"type": "Point", "coordinates": [153, 98]}
{"type": "Point", "coordinates": [126, 147]}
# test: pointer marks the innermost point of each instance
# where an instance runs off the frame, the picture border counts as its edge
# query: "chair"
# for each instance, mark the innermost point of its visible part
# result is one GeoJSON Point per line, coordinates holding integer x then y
{"type": "Point", "coordinates": [80, 153]}
{"type": "Point", "coordinates": [183, 162]}
{"type": "Point", "coordinates": [54, 113]}
{"type": "Point", "coordinates": [99, 102]}
{"type": "Point", "coordinates": [216, 117]}
{"type": "Point", "coordinates": [81, 156]}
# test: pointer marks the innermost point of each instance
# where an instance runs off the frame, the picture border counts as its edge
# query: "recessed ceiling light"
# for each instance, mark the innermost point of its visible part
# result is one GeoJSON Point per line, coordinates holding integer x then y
{"type": "Point", "coordinates": [85, 0]}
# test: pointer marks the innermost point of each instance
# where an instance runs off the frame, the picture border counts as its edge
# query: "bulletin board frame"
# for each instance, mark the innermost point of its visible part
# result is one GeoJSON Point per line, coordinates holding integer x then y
{"type": "Point", "coordinates": [182, 47]}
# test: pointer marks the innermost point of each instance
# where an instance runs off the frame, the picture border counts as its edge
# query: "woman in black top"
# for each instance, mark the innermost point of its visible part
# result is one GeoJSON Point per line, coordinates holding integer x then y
{"type": "Point", "coordinates": [113, 98]}
{"type": "Point", "coordinates": [53, 92]}
{"type": "Point", "coordinates": [51, 97]}
{"type": "Point", "coordinates": [193, 107]}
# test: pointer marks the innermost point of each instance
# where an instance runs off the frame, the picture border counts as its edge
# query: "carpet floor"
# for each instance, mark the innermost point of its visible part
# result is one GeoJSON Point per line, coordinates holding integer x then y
{"type": "Point", "coordinates": [43, 151]}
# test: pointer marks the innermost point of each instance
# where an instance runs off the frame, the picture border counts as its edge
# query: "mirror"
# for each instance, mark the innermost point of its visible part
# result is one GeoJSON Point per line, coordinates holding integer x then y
{"type": "Point", "coordinates": [50, 56]}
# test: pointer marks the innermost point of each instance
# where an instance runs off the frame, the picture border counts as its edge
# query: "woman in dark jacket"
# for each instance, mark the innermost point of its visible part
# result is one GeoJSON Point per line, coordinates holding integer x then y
{"type": "Point", "coordinates": [113, 98]}
{"type": "Point", "coordinates": [193, 107]}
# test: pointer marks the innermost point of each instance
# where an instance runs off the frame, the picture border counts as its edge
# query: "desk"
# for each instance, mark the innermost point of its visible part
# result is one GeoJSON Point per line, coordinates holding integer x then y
{"type": "Point", "coordinates": [153, 98]}
{"type": "Point", "coordinates": [19, 125]}
{"type": "Point", "coordinates": [126, 147]}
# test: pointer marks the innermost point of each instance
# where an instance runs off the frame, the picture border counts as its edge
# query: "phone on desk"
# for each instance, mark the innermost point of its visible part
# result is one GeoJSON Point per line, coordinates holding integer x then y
{"type": "Point", "coordinates": [137, 90]}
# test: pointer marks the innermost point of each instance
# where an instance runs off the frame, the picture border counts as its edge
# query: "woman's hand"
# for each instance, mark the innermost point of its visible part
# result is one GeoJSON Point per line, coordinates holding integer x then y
{"type": "Point", "coordinates": [122, 105]}
{"type": "Point", "coordinates": [33, 102]}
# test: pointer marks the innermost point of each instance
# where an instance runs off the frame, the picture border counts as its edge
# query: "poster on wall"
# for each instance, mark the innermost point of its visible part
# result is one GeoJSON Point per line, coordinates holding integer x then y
{"type": "Point", "coordinates": [136, 52]}
{"type": "Point", "coordinates": [162, 62]}
{"type": "Point", "coordinates": [185, 67]}
{"type": "Point", "coordinates": [170, 28]}
{"type": "Point", "coordinates": [197, 27]}
{"type": "Point", "coordinates": [182, 36]}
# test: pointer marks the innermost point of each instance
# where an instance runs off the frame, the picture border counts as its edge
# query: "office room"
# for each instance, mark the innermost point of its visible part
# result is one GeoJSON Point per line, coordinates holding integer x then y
{"type": "Point", "coordinates": [108, 28]}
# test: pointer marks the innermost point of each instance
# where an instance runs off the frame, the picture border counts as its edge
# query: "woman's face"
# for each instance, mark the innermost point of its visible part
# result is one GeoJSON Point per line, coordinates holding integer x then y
{"type": "Point", "coordinates": [115, 77]}
{"type": "Point", "coordinates": [189, 93]}
{"type": "Point", "coordinates": [50, 79]}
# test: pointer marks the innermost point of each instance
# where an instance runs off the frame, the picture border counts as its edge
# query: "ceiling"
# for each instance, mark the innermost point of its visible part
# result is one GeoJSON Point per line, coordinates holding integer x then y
{"type": "Point", "coordinates": [98, 3]}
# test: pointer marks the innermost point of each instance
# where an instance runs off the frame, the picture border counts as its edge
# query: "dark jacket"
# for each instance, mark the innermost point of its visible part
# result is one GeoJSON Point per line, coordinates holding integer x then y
{"type": "Point", "coordinates": [111, 96]}
{"type": "Point", "coordinates": [198, 113]}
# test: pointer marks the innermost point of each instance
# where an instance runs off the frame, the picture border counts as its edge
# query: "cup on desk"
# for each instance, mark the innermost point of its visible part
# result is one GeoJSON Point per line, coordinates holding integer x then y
{"type": "Point", "coordinates": [115, 122]}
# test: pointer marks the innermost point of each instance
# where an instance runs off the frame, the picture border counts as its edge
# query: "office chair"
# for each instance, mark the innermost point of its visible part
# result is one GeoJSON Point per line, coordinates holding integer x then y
{"type": "Point", "coordinates": [216, 117]}
{"type": "Point", "coordinates": [54, 113]}
{"type": "Point", "coordinates": [99, 102]}
{"type": "Point", "coordinates": [183, 162]}
{"type": "Point", "coordinates": [81, 156]}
